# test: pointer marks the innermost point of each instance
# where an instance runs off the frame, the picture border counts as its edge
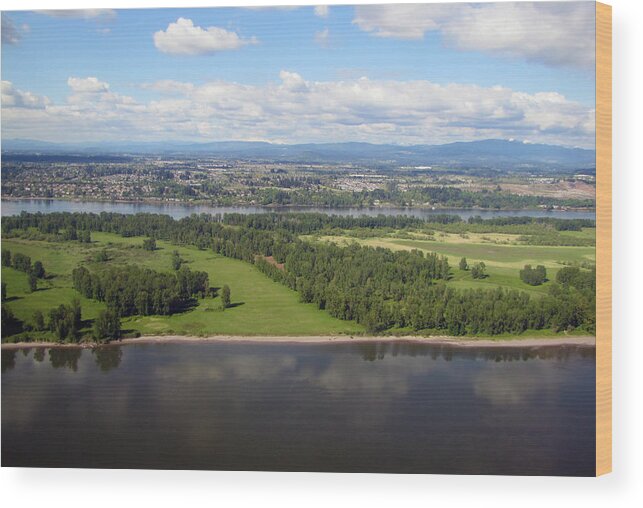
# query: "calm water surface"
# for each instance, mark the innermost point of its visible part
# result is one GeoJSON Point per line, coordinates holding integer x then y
{"type": "Point", "coordinates": [14, 207]}
{"type": "Point", "coordinates": [387, 407]}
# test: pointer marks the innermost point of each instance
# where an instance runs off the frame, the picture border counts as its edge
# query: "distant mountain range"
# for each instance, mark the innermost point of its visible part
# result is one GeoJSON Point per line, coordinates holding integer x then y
{"type": "Point", "coordinates": [488, 154]}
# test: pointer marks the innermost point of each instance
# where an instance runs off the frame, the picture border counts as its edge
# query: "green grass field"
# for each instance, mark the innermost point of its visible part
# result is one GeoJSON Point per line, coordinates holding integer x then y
{"type": "Point", "coordinates": [503, 261]}
{"type": "Point", "coordinates": [260, 306]}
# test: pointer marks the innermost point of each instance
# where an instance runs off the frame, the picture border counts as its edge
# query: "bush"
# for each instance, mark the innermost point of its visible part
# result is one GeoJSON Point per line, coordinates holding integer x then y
{"type": "Point", "coordinates": [533, 276]}
{"type": "Point", "coordinates": [478, 270]}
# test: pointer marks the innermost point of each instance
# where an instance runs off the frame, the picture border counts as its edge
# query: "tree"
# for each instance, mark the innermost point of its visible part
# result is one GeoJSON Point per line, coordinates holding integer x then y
{"type": "Point", "coordinates": [10, 323]}
{"type": "Point", "coordinates": [4, 291]}
{"type": "Point", "coordinates": [61, 322]}
{"type": "Point", "coordinates": [70, 233]}
{"type": "Point", "coordinates": [38, 321]}
{"type": "Point", "coordinates": [77, 313]}
{"type": "Point", "coordinates": [176, 260]}
{"type": "Point", "coordinates": [22, 262]}
{"type": "Point", "coordinates": [533, 276]}
{"type": "Point", "coordinates": [107, 325]}
{"type": "Point", "coordinates": [478, 270]}
{"type": "Point", "coordinates": [33, 283]}
{"type": "Point", "coordinates": [6, 257]}
{"type": "Point", "coordinates": [38, 270]}
{"type": "Point", "coordinates": [225, 296]}
{"type": "Point", "coordinates": [149, 244]}
{"type": "Point", "coordinates": [463, 264]}
{"type": "Point", "coordinates": [85, 236]}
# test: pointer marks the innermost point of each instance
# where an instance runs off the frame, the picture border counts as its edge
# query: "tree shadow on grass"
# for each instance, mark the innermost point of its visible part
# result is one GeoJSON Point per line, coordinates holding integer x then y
{"type": "Point", "coordinates": [236, 304]}
{"type": "Point", "coordinates": [184, 307]}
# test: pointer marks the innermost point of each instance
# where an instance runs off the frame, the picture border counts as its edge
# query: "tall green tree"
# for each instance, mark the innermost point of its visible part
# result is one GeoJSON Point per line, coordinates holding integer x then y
{"type": "Point", "coordinates": [33, 283]}
{"type": "Point", "coordinates": [38, 321]}
{"type": "Point", "coordinates": [6, 257]}
{"type": "Point", "coordinates": [107, 325]}
{"type": "Point", "coordinates": [225, 296]}
{"type": "Point", "coordinates": [176, 260]}
{"type": "Point", "coordinates": [38, 270]}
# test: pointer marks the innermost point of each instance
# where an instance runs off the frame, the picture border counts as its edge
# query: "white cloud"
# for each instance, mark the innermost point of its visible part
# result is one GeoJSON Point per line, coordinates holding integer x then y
{"type": "Point", "coordinates": [321, 11]}
{"type": "Point", "coordinates": [184, 38]}
{"type": "Point", "coordinates": [552, 33]}
{"type": "Point", "coordinates": [10, 34]}
{"type": "Point", "coordinates": [294, 109]}
{"type": "Point", "coordinates": [323, 37]}
{"type": "Point", "coordinates": [87, 85]}
{"type": "Point", "coordinates": [14, 98]}
{"type": "Point", "coordinates": [99, 14]}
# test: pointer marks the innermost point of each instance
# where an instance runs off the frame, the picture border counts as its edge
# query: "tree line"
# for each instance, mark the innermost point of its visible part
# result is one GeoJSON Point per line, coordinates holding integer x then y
{"type": "Point", "coordinates": [133, 290]}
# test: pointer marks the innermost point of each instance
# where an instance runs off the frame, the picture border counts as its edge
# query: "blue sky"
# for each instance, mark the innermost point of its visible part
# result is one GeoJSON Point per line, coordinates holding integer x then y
{"type": "Point", "coordinates": [402, 74]}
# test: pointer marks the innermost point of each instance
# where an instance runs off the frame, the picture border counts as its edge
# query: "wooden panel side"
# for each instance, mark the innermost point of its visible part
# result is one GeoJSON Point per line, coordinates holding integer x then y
{"type": "Point", "coordinates": [603, 239]}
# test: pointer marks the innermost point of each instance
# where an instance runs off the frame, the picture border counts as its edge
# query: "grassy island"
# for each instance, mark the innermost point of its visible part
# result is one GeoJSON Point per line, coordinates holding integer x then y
{"type": "Point", "coordinates": [297, 275]}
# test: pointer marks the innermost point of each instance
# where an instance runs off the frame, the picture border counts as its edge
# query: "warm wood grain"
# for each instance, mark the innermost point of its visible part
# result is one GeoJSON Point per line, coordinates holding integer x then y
{"type": "Point", "coordinates": [603, 239]}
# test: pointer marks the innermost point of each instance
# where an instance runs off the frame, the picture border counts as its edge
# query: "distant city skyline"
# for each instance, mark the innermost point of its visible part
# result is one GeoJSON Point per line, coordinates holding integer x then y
{"type": "Point", "coordinates": [400, 74]}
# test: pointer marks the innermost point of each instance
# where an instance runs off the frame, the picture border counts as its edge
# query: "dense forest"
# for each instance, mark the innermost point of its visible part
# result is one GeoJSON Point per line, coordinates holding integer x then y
{"type": "Point", "coordinates": [376, 287]}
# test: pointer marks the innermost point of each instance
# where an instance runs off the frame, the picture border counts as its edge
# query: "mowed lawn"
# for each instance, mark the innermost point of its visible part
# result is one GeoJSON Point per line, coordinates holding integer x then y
{"type": "Point", "coordinates": [260, 306]}
{"type": "Point", "coordinates": [503, 262]}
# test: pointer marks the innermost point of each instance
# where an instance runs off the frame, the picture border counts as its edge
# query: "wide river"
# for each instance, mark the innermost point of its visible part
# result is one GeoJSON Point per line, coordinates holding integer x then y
{"type": "Point", "coordinates": [376, 407]}
{"type": "Point", "coordinates": [178, 210]}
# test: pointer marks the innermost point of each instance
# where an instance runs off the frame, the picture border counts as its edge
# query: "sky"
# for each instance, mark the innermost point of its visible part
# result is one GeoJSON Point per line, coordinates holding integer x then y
{"type": "Point", "coordinates": [402, 74]}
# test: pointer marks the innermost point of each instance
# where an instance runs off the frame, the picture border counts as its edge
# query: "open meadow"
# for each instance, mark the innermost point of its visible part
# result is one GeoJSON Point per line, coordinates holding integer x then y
{"type": "Point", "coordinates": [503, 255]}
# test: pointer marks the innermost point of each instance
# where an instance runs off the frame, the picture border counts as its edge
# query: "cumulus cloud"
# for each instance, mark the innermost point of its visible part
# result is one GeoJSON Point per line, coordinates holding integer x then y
{"type": "Point", "coordinates": [10, 34]}
{"type": "Point", "coordinates": [87, 85]}
{"type": "Point", "coordinates": [184, 38]}
{"type": "Point", "coordinates": [14, 98]}
{"type": "Point", "coordinates": [294, 109]}
{"type": "Point", "coordinates": [552, 33]}
{"type": "Point", "coordinates": [321, 11]}
{"type": "Point", "coordinates": [98, 14]}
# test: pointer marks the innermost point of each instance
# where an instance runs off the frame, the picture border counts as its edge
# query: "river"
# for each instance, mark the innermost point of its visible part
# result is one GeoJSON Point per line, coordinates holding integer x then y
{"type": "Point", "coordinates": [179, 210]}
{"type": "Point", "coordinates": [375, 407]}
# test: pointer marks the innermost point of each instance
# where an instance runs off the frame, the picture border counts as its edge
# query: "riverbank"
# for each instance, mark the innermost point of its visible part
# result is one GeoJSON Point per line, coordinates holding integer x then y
{"type": "Point", "coordinates": [524, 342]}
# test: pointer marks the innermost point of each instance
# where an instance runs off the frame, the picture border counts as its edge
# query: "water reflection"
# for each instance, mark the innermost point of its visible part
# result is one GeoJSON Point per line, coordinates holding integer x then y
{"type": "Point", "coordinates": [374, 351]}
{"type": "Point", "coordinates": [65, 358]}
{"type": "Point", "coordinates": [381, 407]}
{"type": "Point", "coordinates": [8, 359]}
{"type": "Point", "coordinates": [108, 357]}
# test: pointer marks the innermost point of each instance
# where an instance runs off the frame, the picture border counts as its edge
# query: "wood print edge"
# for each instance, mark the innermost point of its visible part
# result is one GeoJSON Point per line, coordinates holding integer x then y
{"type": "Point", "coordinates": [603, 239]}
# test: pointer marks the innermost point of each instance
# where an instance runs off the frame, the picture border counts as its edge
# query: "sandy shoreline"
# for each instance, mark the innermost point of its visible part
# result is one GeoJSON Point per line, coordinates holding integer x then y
{"type": "Point", "coordinates": [529, 342]}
